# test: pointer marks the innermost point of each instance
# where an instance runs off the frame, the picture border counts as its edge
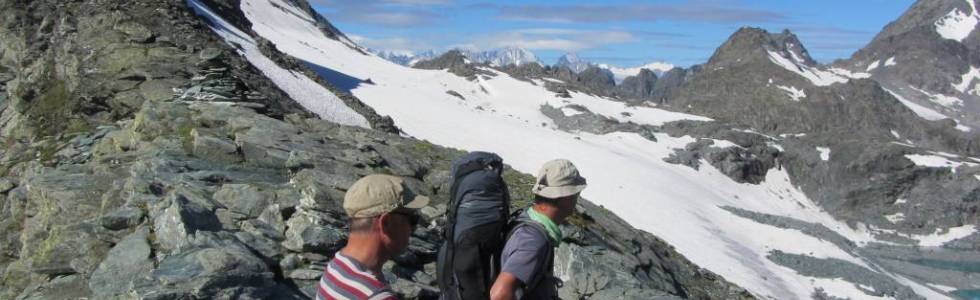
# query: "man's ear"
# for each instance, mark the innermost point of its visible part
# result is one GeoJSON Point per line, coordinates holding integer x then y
{"type": "Point", "coordinates": [382, 223]}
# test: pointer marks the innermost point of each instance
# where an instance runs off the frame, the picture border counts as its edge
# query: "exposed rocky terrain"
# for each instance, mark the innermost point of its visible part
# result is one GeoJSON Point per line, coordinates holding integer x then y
{"type": "Point", "coordinates": [145, 159]}
{"type": "Point", "coordinates": [946, 84]}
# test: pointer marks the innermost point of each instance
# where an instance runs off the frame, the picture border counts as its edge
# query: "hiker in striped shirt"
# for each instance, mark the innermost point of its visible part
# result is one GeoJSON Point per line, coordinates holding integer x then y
{"type": "Point", "coordinates": [383, 212]}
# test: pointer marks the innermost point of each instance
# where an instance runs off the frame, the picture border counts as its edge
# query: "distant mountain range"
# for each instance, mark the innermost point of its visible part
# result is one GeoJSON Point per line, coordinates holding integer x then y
{"type": "Point", "coordinates": [405, 58]}
{"type": "Point", "coordinates": [519, 56]}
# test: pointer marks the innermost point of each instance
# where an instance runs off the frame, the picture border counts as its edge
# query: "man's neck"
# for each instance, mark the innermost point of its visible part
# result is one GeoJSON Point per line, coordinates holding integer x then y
{"type": "Point", "coordinates": [549, 212]}
{"type": "Point", "coordinates": [368, 254]}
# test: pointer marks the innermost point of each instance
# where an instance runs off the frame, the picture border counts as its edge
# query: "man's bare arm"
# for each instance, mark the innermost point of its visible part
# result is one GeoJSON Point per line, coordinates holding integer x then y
{"type": "Point", "coordinates": [504, 287]}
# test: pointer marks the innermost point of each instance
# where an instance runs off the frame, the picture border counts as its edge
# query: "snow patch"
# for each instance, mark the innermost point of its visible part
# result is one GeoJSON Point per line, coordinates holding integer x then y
{"type": "Point", "coordinates": [568, 111]}
{"type": "Point", "coordinates": [849, 74]}
{"type": "Point", "coordinates": [947, 101]}
{"type": "Point", "coordinates": [304, 90]}
{"type": "Point", "coordinates": [938, 238]}
{"type": "Point", "coordinates": [941, 287]}
{"type": "Point", "coordinates": [618, 110]}
{"type": "Point", "coordinates": [920, 289]}
{"type": "Point", "coordinates": [946, 154]}
{"type": "Point", "coordinates": [724, 144]}
{"type": "Point", "coordinates": [895, 134]}
{"type": "Point", "coordinates": [815, 75]}
{"type": "Point", "coordinates": [957, 25]}
{"type": "Point", "coordinates": [895, 218]}
{"type": "Point", "coordinates": [777, 146]}
{"type": "Point", "coordinates": [973, 75]}
{"type": "Point", "coordinates": [936, 161]}
{"type": "Point", "coordinates": [927, 113]}
{"type": "Point", "coordinates": [890, 62]}
{"type": "Point", "coordinates": [922, 111]}
{"type": "Point", "coordinates": [873, 65]}
{"type": "Point", "coordinates": [824, 153]}
{"type": "Point", "coordinates": [794, 93]}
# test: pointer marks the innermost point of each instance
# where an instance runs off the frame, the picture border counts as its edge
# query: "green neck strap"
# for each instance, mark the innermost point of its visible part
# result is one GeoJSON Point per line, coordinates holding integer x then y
{"type": "Point", "coordinates": [554, 233]}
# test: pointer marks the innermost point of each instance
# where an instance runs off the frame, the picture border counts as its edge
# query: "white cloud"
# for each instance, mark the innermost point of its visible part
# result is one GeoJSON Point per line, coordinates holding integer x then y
{"type": "Point", "coordinates": [696, 11]}
{"type": "Point", "coordinates": [553, 39]}
{"type": "Point", "coordinates": [397, 44]}
{"type": "Point", "coordinates": [420, 2]}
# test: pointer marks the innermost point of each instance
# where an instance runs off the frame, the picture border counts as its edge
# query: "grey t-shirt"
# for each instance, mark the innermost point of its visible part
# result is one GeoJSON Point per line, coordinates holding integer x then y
{"type": "Point", "coordinates": [523, 257]}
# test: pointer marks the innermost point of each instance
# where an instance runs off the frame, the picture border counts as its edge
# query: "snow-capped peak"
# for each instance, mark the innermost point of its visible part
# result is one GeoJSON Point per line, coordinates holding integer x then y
{"type": "Point", "coordinates": [503, 56]}
{"type": "Point", "coordinates": [403, 57]}
{"type": "Point", "coordinates": [573, 62]}
{"type": "Point", "coordinates": [619, 74]}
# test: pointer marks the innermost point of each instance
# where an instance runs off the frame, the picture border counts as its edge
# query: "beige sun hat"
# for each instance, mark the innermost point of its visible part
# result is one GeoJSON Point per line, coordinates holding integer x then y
{"type": "Point", "coordinates": [378, 194]}
{"type": "Point", "coordinates": [558, 178]}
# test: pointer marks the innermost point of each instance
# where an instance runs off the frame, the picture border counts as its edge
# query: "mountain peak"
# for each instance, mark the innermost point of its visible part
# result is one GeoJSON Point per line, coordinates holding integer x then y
{"type": "Point", "coordinates": [450, 59]}
{"type": "Point", "coordinates": [749, 43]}
{"type": "Point", "coordinates": [573, 62]}
{"type": "Point", "coordinates": [403, 57]}
{"type": "Point", "coordinates": [509, 55]}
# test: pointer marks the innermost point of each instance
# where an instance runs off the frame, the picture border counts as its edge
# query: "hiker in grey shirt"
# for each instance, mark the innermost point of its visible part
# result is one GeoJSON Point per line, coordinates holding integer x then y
{"type": "Point", "coordinates": [527, 261]}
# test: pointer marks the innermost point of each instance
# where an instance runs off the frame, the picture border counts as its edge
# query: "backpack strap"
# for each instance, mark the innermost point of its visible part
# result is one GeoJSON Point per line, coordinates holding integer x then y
{"type": "Point", "coordinates": [548, 259]}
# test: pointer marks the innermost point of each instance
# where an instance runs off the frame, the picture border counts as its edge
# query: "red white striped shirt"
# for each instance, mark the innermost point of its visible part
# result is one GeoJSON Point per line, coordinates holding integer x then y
{"type": "Point", "coordinates": [346, 279]}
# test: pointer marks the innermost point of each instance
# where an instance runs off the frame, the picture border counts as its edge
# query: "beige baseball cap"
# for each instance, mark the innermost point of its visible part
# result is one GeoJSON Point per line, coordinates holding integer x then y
{"type": "Point", "coordinates": [558, 178]}
{"type": "Point", "coordinates": [378, 194]}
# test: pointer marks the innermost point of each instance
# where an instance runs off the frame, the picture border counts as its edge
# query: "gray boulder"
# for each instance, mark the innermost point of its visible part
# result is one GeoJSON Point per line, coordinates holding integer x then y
{"type": "Point", "coordinates": [125, 262]}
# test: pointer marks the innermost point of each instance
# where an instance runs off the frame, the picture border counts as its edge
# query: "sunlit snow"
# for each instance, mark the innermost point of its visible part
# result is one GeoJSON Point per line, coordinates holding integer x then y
{"type": "Point", "coordinates": [794, 93]}
{"type": "Point", "coordinates": [815, 75]}
{"type": "Point", "coordinates": [304, 90]}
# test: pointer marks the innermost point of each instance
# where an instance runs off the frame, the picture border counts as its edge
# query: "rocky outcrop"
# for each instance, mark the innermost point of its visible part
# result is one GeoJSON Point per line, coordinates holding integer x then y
{"type": "Point", "coordinates": [639, 87]}
{"type": "Point", "coordinates": [455, 62]}
{"type": "Point", "coordinates": [596, 79]}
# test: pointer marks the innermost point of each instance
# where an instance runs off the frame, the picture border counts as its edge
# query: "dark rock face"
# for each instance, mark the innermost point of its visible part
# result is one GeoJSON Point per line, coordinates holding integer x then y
{"type": "Point", "coordinates": [596, 78]}
{"type": "Point", "coordinates": [638, 87]}
{"type": "Point", "coordinates": [892, 59]}
{"type": "Point", "coordinates": [667, 83]}
{"type": "Point", "coordinates": [739, 85]}
{"type": "Point", "coordinates": [144, 158]}
{"type": "Point", "coordinates": [526, 70]}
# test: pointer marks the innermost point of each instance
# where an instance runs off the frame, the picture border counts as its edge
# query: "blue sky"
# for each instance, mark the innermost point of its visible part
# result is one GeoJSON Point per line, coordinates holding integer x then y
{"type": "Point", "coordinates": [616, 32]}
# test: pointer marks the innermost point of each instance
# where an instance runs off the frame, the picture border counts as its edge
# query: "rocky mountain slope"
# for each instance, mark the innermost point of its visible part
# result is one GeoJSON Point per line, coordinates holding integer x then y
{"type": "Point", "coordinates": [146, 157]}
{"type": "Point", "coordinates": [930, 57]}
